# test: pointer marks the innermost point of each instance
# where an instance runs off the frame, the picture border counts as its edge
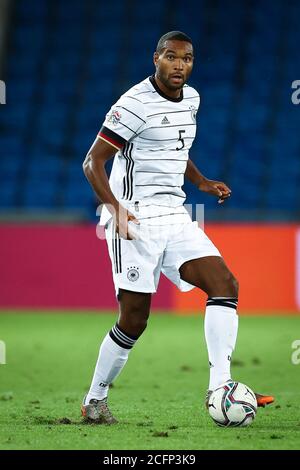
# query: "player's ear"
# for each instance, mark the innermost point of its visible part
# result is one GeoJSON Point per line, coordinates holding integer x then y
{"type": "Point", "coordinates": [155, 58]}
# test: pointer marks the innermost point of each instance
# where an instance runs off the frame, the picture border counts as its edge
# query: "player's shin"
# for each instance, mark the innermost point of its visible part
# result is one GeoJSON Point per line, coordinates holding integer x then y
{"type": "Point", "coordinates": [221, 327]}
{"type": "Point", "coordinates": [113, 355]}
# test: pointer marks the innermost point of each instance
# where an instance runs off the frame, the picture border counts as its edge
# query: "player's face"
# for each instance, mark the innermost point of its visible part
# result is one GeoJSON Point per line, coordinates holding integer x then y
{"type": "Point", "coordinates": [174, 64]}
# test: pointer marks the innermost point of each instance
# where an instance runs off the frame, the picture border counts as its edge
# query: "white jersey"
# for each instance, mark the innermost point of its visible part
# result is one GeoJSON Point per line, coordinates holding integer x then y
{"type": "Point", "coordinates": [153, 134]}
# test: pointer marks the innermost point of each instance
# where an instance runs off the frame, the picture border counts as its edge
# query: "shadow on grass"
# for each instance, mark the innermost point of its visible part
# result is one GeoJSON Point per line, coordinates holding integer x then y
{"type": "Point", "coordinates": [44, 420]}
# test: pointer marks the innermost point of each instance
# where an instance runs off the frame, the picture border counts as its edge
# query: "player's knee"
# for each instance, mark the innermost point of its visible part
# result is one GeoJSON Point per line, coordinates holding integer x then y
{"type": "Point", "coordinates": [225, 285]}
{"type": "Point", "coordinates": [235, 285]}
{"type": "Point", "coordinates": [134, 320]}
{"type": "Point", "coordinates": [231, 284]}
{"type": "Point", "coordinates": [134, 312]}
{"type": "Point", "coordinates": [136, 324]}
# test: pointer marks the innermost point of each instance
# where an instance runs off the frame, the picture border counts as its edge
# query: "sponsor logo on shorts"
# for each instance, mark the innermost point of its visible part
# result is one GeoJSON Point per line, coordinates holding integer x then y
{"type": "Point", "coordinates": [133, 273]}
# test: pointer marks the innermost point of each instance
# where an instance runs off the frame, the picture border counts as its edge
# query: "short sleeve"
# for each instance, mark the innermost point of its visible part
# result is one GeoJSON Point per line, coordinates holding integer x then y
{"type": "Point", "coordinates": [122, 123]}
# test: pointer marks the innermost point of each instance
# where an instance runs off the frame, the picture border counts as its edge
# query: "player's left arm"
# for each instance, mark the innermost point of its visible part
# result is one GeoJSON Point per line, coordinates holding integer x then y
{"type": "Point", "coordinates": [216, 188]}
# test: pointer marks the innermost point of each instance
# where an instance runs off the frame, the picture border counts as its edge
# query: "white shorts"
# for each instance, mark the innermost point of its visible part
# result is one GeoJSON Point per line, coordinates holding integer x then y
{"type": "Point", "coordinates": [137, 264]}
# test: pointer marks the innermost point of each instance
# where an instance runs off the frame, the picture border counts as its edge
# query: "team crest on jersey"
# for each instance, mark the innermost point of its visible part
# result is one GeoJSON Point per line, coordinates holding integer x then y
{"type": "Point", "coordinates": [193, 112]}
{"type": "Point", "coordinates": [114, 117]}
{"type": "Point", "coordinates": [133, 273]}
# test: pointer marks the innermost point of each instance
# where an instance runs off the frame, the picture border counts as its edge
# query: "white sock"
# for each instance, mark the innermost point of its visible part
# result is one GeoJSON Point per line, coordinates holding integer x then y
{"type": "Point", "coordinates": [113, 356]}
{"type": "Point", "coordinates": [221, 327]}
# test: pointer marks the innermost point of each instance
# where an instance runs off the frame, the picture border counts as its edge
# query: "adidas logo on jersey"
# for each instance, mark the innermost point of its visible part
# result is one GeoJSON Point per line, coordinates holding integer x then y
{"type": "Point", "coordinates": [165, 120]}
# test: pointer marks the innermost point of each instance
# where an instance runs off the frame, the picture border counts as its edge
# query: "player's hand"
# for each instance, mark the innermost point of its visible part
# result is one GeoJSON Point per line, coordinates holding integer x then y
{"type": "Point", "coordinates": [216, 188]}
{"type": "Point", "coordinates": [122, 217]}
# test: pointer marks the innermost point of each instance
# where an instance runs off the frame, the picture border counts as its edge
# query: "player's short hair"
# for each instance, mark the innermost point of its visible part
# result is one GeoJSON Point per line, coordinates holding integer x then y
{"type": "Point", "coordinates": [177, 35]}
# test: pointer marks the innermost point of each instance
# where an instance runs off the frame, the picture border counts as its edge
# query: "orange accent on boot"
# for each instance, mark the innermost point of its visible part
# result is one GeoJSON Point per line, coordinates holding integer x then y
{"type": "Point", "coordinates": [263, 400]}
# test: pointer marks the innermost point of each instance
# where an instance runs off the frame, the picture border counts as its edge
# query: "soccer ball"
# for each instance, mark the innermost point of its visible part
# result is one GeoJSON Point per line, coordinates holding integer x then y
{"type": "Point", "coordinates": [232, 404]}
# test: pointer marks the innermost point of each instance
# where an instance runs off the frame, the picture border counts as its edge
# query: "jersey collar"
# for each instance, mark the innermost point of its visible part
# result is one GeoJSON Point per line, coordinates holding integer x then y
{"type": "Point", "coordinates": [161, 93]}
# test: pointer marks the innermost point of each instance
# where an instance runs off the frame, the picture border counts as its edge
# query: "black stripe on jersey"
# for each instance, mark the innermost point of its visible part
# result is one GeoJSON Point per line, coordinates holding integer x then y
{"type": "Point", "coordinates": [162, 172]}
{"type": "Point", "coordinates": [131, 130]}
{"type": "Point", "coordinates": [169, 193]}
{"type": "Point", "coordinates": [155, 102]}
{"type": "Point", "coordinates": [165, 185]}
{"type": "Point", "coordinates": [157, 150]}
{"type": "Point", "coordinates": [163, 101]}
{"type": "Point", "coordinates": [126, 185]}
{"type": "Point", "coordinates": [170, 112]}
{"type": "Point", "coordinates": [142, 92]}
{"type": "Point", "coordinates": [123, 107]}
{"type": "Point", "coordinates": [172, 125]}
{"type": "Point", "coordinates": [164, 159]}
{"type": "Point", "coordinates": [160, 140]}
{"type": "Point", "coordinates": [162, 215]}
{"type": "Point", "coordinates": [112, 135]}
{"type": "Point", "coordinates": [129, 171]}
{"type": "Point", "coordinates": [132, 98]}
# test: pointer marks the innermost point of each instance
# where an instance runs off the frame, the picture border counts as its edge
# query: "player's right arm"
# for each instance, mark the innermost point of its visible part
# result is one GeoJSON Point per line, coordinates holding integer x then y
{"type": "Point", "coordinates": [122, 123]}
{"type": "Point", "coordinates": [94, 170]}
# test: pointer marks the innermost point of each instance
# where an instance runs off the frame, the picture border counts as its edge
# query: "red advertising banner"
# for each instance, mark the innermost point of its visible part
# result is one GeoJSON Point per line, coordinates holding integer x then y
{"type": "Point", "coordinates": [263, 259]}
{"type": "Point", "coordinates": [61, 266]}
{"type": "Point", "coordinates": [67, 266]}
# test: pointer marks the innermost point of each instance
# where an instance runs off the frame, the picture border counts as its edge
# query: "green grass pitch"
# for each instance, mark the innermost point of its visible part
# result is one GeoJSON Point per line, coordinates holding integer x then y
{"type": "Point", "coordinates": [159, 396]}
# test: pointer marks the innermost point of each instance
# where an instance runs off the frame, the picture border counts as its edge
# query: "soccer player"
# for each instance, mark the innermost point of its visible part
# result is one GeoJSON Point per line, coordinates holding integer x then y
{"type": "Point", "coordinates": [149, 132]}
